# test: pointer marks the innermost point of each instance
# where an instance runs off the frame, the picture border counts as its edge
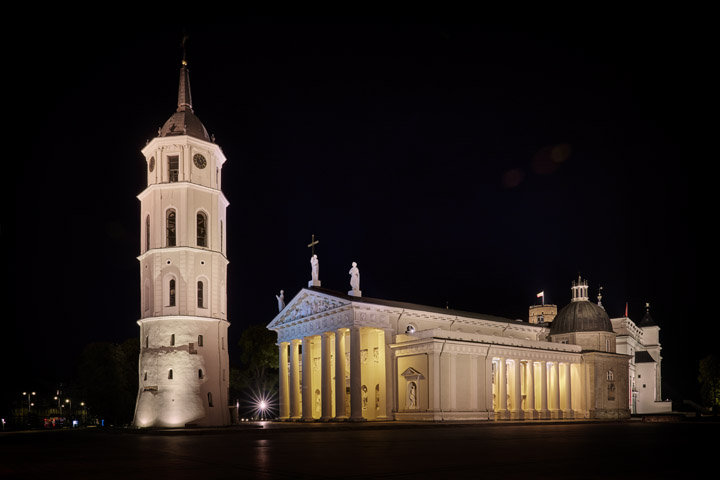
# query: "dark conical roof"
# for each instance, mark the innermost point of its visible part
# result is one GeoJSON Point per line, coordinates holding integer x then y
{"type": "Point", "coordinates": [647, 320]}
{"type": "Point", "coordinates": [581, 316]}
{"type": "Point", "coordinates": [184, 121]}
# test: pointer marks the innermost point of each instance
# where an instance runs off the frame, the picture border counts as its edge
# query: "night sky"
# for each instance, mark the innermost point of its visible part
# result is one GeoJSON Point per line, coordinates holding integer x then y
{"type": "Point", "coordinates": [460, 164]}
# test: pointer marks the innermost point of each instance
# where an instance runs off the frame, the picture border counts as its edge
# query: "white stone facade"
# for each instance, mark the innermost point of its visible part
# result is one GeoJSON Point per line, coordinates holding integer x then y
{"type": "Point", "coordinates": [184, 365]}
{"type": "Point", "coordinates": [378, 360]}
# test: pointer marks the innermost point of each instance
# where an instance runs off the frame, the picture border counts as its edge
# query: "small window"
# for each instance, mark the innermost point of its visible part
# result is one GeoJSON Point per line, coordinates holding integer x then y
{"type": "Point", "coordinates": [201, 294]}
{"type": "Point", "coordinates": [610, 375]}
{"type": "Point", "coordinates": [170, 227]}
{"type": "Point", "coordinates": [201, 229]}
{"type": "Point", "coordinates": [172, 293]}
{"type": "Point", "coordinates": [147, 341]}
{"type": "Point", "coordinates": [200, 340]}
{"type": "Point", "coordinates": [170, 374]}
{"type": "Point", "coordinates": [145, 377]}
{"type": "Point", "coordinates": [173, 168]}
{"type": "Point", "coordinates": [147, 233]}
{"type": "Point", "coordinates": [210, 402]}
{"type": "Point", "coordinates": [200, 373]}
{"type": "Point", "coordinates": [172, 340]}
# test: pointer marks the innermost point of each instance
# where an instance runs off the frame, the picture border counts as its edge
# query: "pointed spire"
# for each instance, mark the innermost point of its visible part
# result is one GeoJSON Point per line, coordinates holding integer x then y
{"type": "Point", "coordinates": [647, 320]}
{"type": "Point", "coordinates": [184, 95]}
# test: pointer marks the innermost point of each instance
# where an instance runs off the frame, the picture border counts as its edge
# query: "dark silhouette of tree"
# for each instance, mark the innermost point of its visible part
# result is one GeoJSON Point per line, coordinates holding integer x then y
{"type": "Point", "coordinates": [709, 378]}
{"type": "Point", "coordinates": [257, 375]}
{"type": "Point", "coordinates": [108, 375]}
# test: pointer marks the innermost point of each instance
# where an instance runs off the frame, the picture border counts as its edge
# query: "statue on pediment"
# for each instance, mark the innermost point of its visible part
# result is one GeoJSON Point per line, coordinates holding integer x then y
{"type": "Point", "coordinates": [281, 300]}
{"type": "Point", "coordinates": [354, 277]}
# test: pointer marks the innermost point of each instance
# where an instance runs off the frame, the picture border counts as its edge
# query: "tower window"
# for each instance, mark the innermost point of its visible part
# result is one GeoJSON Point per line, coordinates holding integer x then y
{"type": "Point", "coordinates": [173, 168]}
{"type": "Point", "coordinates": [171, 303]}
{"type": "Point", "coordinates": [170, 226]}
{"type": "Point", "coordinates": [147, 233]}
{"type": "Point", "coordinates": [145, 377]}
{"type": "Point", "coordinates": [210, 402]}
{"type": "Point", "coordinates": [170, 374]}
{"type": "Point", "coordinates": [610, 375]}
{"type": "Point", "coordinates": [201, 229]}
{"type": "Point", "coordinates": [200, 294]}
{"type": "Point", "coordinates": [147, 341]}
{"type": "Point", "coordinates": [200, 373]}
{"type": "Point", "coordinates": [172, 340]}
{"type": "Point", "coordinates": [200, 340]}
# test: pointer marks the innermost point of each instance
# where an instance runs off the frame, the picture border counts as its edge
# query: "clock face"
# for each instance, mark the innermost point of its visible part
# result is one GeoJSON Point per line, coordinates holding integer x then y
{"type": "Point", "coordinates": [199, 161]}
{"type": "Point", "coordinates": [152, 164]}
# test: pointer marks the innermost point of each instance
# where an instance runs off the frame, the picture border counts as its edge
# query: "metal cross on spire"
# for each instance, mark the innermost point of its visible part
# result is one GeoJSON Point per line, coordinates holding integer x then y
{"type": "Point", "coordinates": [312, 244]}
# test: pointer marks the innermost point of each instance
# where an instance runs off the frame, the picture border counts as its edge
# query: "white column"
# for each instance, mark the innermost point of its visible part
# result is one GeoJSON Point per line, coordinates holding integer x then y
{"type": "Point", "coordinates": [517, 413]}
{"type": "Point", "coordinates": [568, 392]}
{"type": "Point", "coordinates": [284, 384]}
{"type": "Point", "coordinates": [530, 411]}
{"type": "Point", "coordinates": [340, 413]}
{"type": "Point", "coordinates": [556, 412]}
{"type": "Point", "coordinates": [307, 392]}
{"type": "Point", "coordinates": [502, 411]}
{"type": "Point", "coordinates": [544, 412]}
{"type": "Point", "coordinates": [355, 376]}
{"type": "Point", "coordinates": [294, 380]}
{"type": "Point", "coordinates": [326, 385]}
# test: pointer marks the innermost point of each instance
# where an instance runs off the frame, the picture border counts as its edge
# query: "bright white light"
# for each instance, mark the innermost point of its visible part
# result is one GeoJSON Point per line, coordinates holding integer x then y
{"type": "Point", "coordinates": [263, 405]}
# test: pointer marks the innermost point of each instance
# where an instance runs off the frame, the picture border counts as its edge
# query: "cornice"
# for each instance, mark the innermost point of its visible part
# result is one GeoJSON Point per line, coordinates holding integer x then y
{"type": "Point", "coordinates": [182, 185]}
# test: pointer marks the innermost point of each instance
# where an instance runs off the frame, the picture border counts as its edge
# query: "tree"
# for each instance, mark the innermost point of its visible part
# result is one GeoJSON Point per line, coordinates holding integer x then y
{"type": "Point", "coordinates": [108, 375]}
{"type": "Point", "coordinates": [257, 377]}
{"type": "Point", "coordinates": [709, 378]}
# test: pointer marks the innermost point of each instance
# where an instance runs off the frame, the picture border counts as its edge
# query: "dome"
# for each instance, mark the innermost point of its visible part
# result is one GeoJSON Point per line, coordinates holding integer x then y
{"type": "Point", "coordinates": [184, 122]}
{"type": "Point", "coordinates": [581, 316]}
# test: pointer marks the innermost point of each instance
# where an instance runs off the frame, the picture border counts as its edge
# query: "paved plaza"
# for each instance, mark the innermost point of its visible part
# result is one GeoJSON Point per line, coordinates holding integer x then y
{"type": "Point", "coordinates": [371, 450]}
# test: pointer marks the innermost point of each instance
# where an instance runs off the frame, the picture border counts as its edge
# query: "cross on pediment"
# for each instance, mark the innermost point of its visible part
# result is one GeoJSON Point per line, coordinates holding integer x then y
{"type": "Point", "coordinates": [312, 244]}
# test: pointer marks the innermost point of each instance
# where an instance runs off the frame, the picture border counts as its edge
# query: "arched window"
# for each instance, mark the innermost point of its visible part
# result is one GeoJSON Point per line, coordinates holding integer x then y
{"type": "Point", "coordinates": [172, 293]}
{"type": "Point", "coordinates": [201, 229]}
{"type": "Point", "coordinates": [145, 377]}
{"type": "Point", "coordinates": [200, 294]}
{"type": "Point", "coordinates": [200, 340]}
{"type": "Point", "coordinates": [610, 375]}
{"type": "Point", "coordinates": [210, 402]}
{"type": "Point", "coordinates": [170, 227]}
{"type": "Point", "coordinates": [172, 340]}
{"type": "Point", "coordinates": [170, 374]}
{"type": "Point", "coordinates": [147, 233]}
{"type": "Point", "coordinates": [200, 373]}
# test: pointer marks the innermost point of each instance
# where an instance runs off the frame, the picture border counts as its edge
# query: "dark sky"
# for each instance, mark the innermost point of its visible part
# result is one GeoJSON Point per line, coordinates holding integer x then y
{"type": "Point", "coordinates": [470, 164]}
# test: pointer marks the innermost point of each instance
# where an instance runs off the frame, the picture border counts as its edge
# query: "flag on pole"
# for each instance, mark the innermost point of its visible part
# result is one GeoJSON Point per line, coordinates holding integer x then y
{"type": "Point", "coordinates": [541, 294]}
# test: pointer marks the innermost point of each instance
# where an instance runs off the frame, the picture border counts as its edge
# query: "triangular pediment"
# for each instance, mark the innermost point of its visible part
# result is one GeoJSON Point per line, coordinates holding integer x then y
{"type": "Point", "coordinates": [412, 374]}
{"type": "Point", "coordinates": [306, 304]}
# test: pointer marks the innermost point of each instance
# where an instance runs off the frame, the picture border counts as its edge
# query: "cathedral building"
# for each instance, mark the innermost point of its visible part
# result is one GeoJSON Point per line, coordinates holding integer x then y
{"type": "Point", "coordinates": [183, 366]}
{"type": "Point", "coordinates": [344, 356]}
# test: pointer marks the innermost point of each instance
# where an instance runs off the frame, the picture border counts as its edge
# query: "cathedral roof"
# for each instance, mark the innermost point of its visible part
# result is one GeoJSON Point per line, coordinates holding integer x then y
{"type": "Point", "coordinates": [643, 357]}
{"type": "Point", "coordinates": [184, 121]}
{"type": "Point", "coordinates": [581, 316]}
{"type": "Point", "coordinates": [415, 306]}
{"type": "Point", "coordinates": [647, 321]}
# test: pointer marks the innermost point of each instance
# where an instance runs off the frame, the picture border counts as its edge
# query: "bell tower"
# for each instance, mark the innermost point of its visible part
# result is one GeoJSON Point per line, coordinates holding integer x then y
{"type": "Point", "coordinates": [184, 366]}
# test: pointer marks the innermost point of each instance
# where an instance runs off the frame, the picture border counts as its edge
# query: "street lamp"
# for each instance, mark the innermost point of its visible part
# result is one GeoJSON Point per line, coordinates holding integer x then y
{"type": "Point", "coordinates": [29, 395]}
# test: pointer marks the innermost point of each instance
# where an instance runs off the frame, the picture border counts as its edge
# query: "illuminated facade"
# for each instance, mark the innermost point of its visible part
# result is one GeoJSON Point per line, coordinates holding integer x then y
{"type": "Point", "coordinates": [183, 365]}
{"type": "Point", "coordinates": [348, 357]}
{"type": "Point", "coordinates": [641, 342]}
